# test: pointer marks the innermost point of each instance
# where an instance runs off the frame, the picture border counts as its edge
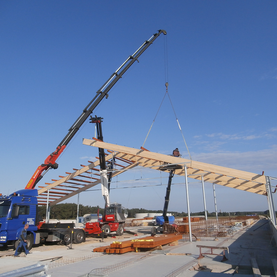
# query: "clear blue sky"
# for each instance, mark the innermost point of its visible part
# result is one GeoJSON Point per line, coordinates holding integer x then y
{"type": "Point", "coordinates": [219, 58]}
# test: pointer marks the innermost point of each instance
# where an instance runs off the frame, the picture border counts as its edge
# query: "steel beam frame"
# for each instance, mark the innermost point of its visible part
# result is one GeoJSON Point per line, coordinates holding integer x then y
{"type": "Point", "coordinates": [188, 206]}
{"type": "Point", "coordinates": [270, 201]}
{"type": "Point", "coordinates": [215, 205]}
{"type": "Point", "coordinates": [204, 198]}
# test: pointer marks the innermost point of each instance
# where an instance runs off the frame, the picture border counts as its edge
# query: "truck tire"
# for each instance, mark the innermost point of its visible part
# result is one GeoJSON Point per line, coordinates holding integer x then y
{"type": "Point", "coordinates": [15, 244]}
{"type": "Point", "coordinates": [67, 238]}
{"type": "Point", "coordinates": [30, 241]}
{"type": "Point", "coordinates": [120, 230]}
{"type": "Point", "coordinates": [106, 230]}
{"type": "Point", "coordinates": [79, 236]}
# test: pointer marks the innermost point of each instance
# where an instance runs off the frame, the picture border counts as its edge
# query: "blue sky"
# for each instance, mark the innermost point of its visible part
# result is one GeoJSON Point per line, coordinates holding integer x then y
{"type": "Point", "coordinates": [219, 59]}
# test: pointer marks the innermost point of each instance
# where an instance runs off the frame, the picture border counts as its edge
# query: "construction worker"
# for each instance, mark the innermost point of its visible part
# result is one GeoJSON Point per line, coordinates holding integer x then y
{"type": "Point", "coordinates": [22, 241]}
{"type": "Point", "coordinates": [176, 153]}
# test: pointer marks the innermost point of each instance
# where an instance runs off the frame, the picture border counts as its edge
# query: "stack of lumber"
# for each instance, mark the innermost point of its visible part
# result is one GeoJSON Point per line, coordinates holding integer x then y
{"type": "Point", "coordinates": [118, 247]}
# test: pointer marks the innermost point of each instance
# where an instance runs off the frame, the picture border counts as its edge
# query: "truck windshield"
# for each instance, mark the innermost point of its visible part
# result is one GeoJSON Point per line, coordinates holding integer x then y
{"type": "Point", "coordinates": [4, 207]}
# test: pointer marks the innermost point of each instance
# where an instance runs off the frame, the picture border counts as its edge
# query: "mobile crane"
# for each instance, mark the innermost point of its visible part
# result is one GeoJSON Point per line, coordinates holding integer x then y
{"type": "Point", "coordinates": [20, 207]}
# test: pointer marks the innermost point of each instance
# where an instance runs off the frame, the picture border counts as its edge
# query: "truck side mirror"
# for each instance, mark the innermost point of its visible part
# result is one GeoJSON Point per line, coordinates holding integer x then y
{"type": "Point", "coordinates": [15, 211]}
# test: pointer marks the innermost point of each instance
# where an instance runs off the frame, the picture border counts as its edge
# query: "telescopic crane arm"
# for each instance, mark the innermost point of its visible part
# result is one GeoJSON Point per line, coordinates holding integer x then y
{"type": "Point", "coordinates": [50, 161]}
{"type": "Point", "coordinates": [105, 177]}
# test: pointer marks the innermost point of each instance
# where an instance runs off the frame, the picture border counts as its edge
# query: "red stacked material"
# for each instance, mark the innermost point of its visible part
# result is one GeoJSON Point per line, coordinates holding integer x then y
{"type": "Point", "coordinates": [192, 219]}
{"type": "Point", "coordinates": [120, 251]}
{"type": "Point", "coordinates": [100, 249]}
{"type": "Point", "coordinates": [150, 242]}
{"type": "Point", "coordinates": [118, 247]}
{"type": "Point", "coordinates": [183, 229]}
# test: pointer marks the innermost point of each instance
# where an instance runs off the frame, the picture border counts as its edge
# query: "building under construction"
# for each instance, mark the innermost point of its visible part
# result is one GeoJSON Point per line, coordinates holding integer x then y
{"type": "Point", "coordinates": [197, 246]}
{"type": "Point", "coordinates": [188, 246]}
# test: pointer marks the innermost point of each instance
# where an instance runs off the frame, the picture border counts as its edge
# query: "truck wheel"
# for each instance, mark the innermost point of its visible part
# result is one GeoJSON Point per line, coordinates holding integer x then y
{"type": "Point", "coordinates": [120, 230]}
{"type": "Point", "coordinates": [106, 230]}
{"type": "Point", "coordinates": [30, 241]}
{"type": "Point", "coordinates": [66, 238]}
{"type": "Point", "coordinates": [79, 236]}
{"type": "Point", "coordinates": [15, 244]}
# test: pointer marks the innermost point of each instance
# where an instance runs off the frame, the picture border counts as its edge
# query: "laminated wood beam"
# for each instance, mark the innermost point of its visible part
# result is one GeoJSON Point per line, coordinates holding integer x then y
{"type": "Point", "coordinates": [54, 192]}
{"type": "Point", "coordinates": [62, 189]}
{"type": "Point", "coordinates": [121, 244]}
{"type": "Point", "coordinates": [74, 183]}
{"type": "Point", "coordinates": [220, 175]}
{"type": "Point", "coordinates": [100, 249]}
{"type": "Point", "coordinates": [43, 198]}
{"type": "Point", "coordinates": [151, 242]}
{"type": "Point", "coordinates": [83, 181]}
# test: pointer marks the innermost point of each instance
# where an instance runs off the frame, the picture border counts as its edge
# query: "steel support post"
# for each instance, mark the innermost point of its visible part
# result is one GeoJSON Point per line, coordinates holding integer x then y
{"type": "Point", "coordinates": [270, 201]}
{"type": "Point", "coordinates": [47, 208]}
{"type": "Point", "coordinates": [215, 205]}
{"type": "Point", "coordinates": [78, 207]}
{"type": "Point", "coordinates": [188, 206]}
{"type": "Point", "coordinates": [204, 198]}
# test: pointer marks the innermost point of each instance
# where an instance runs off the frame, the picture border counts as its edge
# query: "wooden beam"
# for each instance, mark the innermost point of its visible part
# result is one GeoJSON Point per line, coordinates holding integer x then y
{"type": "Point", "coordinates": [72, 175]}
{"type": "Point", "coordinates": [234, 178]}
{"type": "Point", "coordinates": [89, 186]}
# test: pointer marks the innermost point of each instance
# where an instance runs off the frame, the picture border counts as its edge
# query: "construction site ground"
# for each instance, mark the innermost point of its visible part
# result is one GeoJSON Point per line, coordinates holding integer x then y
{"type": "Point", "coordinates": [250, 243]}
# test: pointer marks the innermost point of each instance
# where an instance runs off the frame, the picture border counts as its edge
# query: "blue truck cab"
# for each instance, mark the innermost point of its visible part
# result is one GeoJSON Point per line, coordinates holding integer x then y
{"type": "Point", "coordinates": [16, 210]}
{"type": "Point", "coordinates": [21, 207]}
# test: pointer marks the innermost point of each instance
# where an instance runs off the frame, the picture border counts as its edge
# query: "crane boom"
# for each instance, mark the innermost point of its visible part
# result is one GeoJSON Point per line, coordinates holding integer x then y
{"type": "Point", "coordinates": [50, 161]}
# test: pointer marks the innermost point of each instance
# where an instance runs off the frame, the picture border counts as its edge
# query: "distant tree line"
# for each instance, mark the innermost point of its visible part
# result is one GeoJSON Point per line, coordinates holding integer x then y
{"type": "Point", "coordinates": [69, 211]}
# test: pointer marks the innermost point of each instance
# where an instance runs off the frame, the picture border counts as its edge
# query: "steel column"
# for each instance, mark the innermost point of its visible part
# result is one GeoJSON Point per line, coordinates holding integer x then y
{"type": "Point", "coordinates": [47, 208]}
{"type": "Point", "coordinates": [188, 206]}
{"type": "Point", "coordinates": [270, 201]}
{"type": "Point", "coordinates": [204, 198]}
{"type": "Point", "coordinates": [215, 205]}
{"type": "Point", "coordinates": [78, 207]}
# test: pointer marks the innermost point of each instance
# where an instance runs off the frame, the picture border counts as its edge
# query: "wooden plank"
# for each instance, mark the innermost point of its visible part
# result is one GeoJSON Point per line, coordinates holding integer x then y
{"type": "Point", "coordinates": [100, 249]}
{"type": "Point", "coordinates": [119, 244]}
{"type": "Point", "coordinates": [125, 250]}
{"type": "Point", "coordinates": [151, 242]}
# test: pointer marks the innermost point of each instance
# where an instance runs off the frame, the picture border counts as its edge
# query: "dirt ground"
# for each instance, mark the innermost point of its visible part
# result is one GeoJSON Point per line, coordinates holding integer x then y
{"type": "Point", "coordinates": [55, 246]}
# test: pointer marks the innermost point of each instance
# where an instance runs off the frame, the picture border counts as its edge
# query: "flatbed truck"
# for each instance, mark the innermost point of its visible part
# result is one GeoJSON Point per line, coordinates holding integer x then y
{"type": "Point", "coordinates": [21, 207]}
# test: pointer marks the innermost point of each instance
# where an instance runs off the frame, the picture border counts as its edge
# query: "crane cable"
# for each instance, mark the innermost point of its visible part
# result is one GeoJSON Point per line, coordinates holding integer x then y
{"type": "Point", "coordinates": [153, 121]}
{"type": "Point", "coordinates": [166, 93]}
{"type": "Point", "coordinates": [178, 123]}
